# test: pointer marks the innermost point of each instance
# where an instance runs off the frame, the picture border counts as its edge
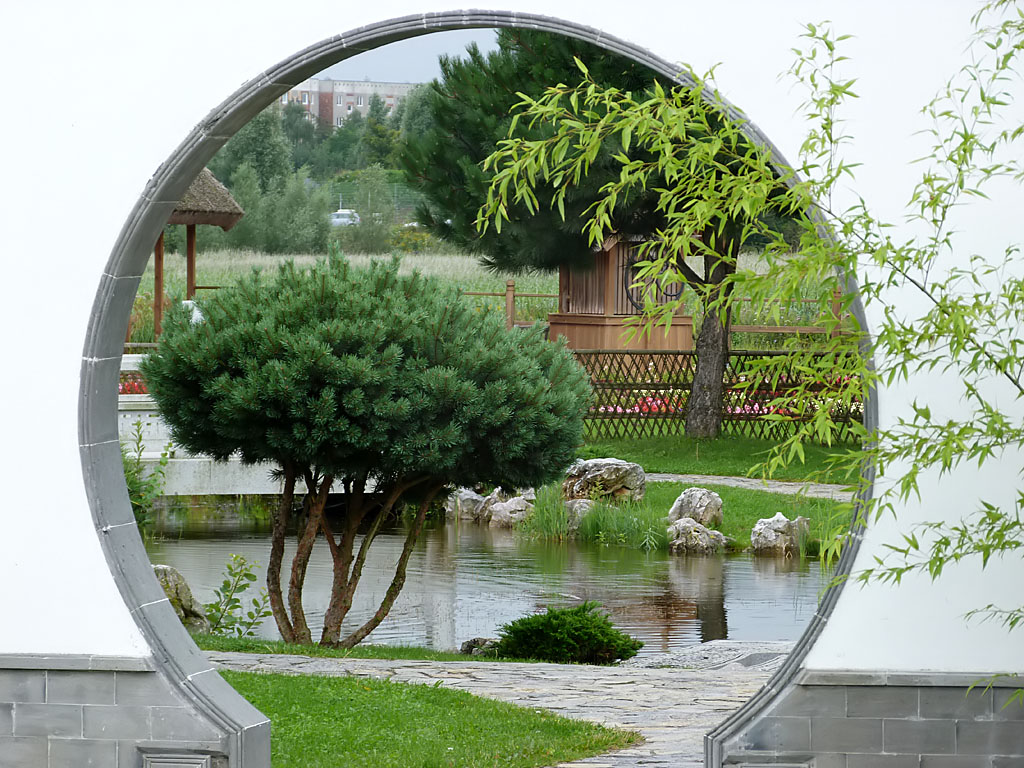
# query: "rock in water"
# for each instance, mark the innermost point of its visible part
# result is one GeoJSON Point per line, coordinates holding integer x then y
{"type": "Point", "coordinates": [604, 478]}
{"type": "Point", "coordinates": [505, 514]}
{"type": "Point", "coordinates": [688, 537]}
{"type": "Point", "coordinates": [463, 504]}
{"type": "Point", "coordinates": [778, 535]}
{"type": "Point", "coordinates": [698, 504]}
{"type": "Point", "coordinates": [177, 590]}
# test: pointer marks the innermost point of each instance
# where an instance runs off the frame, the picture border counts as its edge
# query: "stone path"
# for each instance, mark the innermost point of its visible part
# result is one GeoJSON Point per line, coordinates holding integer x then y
{"type": "Point", "coordinates": [672, 699]}
{"type": "Point", "coordinates": [813, 490]}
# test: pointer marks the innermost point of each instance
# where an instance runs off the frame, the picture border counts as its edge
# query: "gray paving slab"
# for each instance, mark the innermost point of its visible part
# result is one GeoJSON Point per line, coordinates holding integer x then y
{"type": "Point", "coordinates": [812, 490]}
{"type": "Point", "coordinates": [671, 699]}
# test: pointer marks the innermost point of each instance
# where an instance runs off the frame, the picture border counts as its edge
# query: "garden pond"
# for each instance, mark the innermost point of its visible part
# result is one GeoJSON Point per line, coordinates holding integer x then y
{"type": "Point", "coordinates": [465, 580]}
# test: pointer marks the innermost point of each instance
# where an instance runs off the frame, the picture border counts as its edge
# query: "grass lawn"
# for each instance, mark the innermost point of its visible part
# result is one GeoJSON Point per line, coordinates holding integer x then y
{"type": "Point", "coordinates": [362, 651]}
{"type": "Point", "coordinates": [327, 722]}
{"type": "Point", "coordinates": [728, 456]}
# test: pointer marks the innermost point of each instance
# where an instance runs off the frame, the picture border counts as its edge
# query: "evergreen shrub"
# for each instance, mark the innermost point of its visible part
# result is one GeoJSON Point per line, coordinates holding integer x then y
{"type": "Point", "coordinates": [581, 635]}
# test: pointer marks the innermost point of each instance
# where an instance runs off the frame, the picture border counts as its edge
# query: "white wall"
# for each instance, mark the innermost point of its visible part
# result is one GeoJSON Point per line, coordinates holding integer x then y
{"type": "Point", "coordinates": [126, 83]}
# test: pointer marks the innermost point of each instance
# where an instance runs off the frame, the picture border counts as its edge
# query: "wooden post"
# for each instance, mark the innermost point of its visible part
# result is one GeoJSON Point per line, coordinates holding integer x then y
{"type": "Point", "coordinates": [836, 304]}
{"type": "Point", "coordinates": [610, 279]}
{"type": "Point", "coordinates": [564, 300]}
{"type": "Point", "coordinates": [190, 261]}
{"type": "Point", "coordinates": [510, 304]}
{"type": "Point", "coordinates": [158, 286]}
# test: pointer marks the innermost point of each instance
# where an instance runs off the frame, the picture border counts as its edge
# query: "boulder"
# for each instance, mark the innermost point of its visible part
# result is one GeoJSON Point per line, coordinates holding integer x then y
{"type": "Point", "coordinates": [479, 646]}
{"type": "Point", "coordinates": [189, 610]}
{"type": "Point", "coordinates": [575, 511]}
{"type": "Point", "coordinates": [688, 537]}
{"type": "Point", "coordinates": [698, 504]}
{"type": "Point", "coordinates": [463, 504]}
{"type": "Point", "coordinates": [778, 535]}
{"type": "Point", "coordinates": [604, 478]}
{"type": "Point", "coordinates": [505, 514]}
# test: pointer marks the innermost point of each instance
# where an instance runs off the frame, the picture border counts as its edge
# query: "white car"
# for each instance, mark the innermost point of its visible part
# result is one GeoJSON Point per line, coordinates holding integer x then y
{"type": "Point", "coordinates": [344, 217]}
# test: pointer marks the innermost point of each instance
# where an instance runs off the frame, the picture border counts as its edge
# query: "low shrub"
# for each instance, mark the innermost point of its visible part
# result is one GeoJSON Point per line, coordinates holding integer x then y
{"type": "Point", "coordinates": [581, 635]}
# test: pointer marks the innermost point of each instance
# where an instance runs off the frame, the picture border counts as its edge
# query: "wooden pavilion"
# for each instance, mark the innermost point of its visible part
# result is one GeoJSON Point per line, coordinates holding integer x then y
{"type": "Point", "coordinates": [593, 305]}
{"type": "Point", "coordinates": [206, 201]}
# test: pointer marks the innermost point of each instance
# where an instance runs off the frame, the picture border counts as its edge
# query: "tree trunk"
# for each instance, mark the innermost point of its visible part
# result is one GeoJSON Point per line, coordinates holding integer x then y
{"type": "Point", "coordinates": [704, 406]}
{"type": "Point", "coordinates": [399, 580]}
{"type": "Point", "coordinates": [280, 527]}
{"type": "Point", "coordinates": [317, 498]}
{"type": "Point", "coordinates": [346, 579]}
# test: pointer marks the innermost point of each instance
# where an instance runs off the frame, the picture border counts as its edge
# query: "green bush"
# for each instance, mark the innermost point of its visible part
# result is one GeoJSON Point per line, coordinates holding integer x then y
{"type": "Point", "coordinates": [581, 635]}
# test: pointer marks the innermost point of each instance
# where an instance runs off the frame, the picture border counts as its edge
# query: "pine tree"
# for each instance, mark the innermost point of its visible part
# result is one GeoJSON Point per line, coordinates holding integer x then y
{"type": "Point", "coordinates": [386, 386]}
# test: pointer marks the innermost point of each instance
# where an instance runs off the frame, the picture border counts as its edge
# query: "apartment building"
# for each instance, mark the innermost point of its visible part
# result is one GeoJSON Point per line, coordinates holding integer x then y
{"type": "Point", "coordinates": [331, 101]}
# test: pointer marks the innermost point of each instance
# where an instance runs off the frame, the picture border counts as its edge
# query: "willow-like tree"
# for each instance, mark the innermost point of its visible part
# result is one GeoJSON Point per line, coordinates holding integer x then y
{"type": "Point", "coordinates": [707, 189]}
{"type": "Point", "coordinates": [387, 387]}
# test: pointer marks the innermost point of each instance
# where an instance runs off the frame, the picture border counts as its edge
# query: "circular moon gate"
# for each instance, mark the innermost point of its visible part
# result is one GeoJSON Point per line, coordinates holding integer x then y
{"type": "Point", "coordinates": [225, 725]}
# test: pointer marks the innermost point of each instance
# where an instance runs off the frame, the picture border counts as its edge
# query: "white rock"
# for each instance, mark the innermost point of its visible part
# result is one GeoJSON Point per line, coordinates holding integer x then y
{"type": "Point", "coordinates": [604, 478]}
{"type": "Point", "coordinates": [505, 514]}
{"type": "Point", "coordinates": [778, 535]}
{"type": "Point", "coordinates": [688, 537]}
{"type": "Point", "coordinates": [698, 504]}
{"type": "Point", "coordinates": [463, 504]}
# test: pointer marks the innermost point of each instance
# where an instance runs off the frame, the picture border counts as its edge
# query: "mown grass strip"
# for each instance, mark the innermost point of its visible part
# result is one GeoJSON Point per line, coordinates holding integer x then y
{"type": "Point", "coordinates": [327, 722]}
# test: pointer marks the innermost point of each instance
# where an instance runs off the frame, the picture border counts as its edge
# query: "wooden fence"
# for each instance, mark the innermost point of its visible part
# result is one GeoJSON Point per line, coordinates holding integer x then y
{"type": "Point", "coordinates": [640, 394]}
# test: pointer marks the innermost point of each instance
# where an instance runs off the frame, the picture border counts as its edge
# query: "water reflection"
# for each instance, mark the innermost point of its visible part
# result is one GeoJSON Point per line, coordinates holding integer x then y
{"type": "Point", "coordinates": [466, 580]}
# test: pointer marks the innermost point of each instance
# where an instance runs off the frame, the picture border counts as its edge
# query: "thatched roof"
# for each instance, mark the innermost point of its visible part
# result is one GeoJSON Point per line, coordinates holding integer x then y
{"type": "Point", "coordinates": [207, 201]}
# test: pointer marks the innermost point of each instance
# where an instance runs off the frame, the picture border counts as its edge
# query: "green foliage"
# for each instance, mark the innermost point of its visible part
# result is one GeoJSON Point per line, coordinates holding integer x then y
{"type": "Point", "coordinates": [377, 144]}
{"type": "Point", "coordinates": [263, 145]}
{"type": "Point", "coordinates": [366, 372]}
{"type": "Point", "coordinates": [227, 614]}
{"type": "Point", "coordinates": [374, 204]}
{"type": "Point", "coordinates": [469, 110]}
{"type": "Point", "coordinates": [579, 635]}
{"type": "Point", "coordinates": [634, 524]}
{"type": "Point", "coordinates": [548, 520]}
{"type": "Point", "coordinates": [145, 484]}
{"type": "Point", "coordinates": [324, 722]}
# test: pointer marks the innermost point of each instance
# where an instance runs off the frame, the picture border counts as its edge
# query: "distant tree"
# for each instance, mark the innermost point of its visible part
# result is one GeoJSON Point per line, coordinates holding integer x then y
{"type": "Point", "coordinates": [340, 150]}
{"type": "Point", "coordinates": [378, 140]}
{"type": "Point", "coordinates": [469, 114]}
{"type": "Point", "coordinates": [417, 113]}
{"type": "Point", "coordinates": [387, 387]}
{"type": "Point", "coordinates": [263, 145]}
{"type": "Point", "coordinates": [303, 133]}
{"type": "Point", "coordinates": [375, 205]}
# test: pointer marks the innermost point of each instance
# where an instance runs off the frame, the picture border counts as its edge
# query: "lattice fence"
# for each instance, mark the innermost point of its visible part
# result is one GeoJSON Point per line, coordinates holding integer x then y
{"type": "Point", "coordinates": [639, 394]}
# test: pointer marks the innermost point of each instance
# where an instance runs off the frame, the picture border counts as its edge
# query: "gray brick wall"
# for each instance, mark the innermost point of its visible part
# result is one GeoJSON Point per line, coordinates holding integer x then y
{"type": "Point", "coordinates": [885, 726]}
{"type": "Point", "coordinates": [108, 719]}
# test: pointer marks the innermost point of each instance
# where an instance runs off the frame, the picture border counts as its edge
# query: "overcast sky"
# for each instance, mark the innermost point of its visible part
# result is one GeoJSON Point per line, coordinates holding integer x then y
{"type": "Point", "coordinates": [409, 61]}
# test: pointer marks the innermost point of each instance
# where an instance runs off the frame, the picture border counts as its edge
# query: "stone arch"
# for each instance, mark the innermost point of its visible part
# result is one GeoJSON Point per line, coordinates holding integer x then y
{"type": "Point", "coordinates": [223, 727]}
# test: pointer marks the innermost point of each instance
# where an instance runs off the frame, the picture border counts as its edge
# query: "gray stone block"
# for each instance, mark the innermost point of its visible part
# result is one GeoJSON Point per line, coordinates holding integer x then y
{"type": "Point", "coordinates": [882, 761]}
{"type": "Point", "coordinates": [104, 483]}
{"type": "Point", "coordinates": [82, 753]}
{"type": "Point", "coordinates": [1001, 761]}
{"type": "Point", "coordinates": [881, 701]}
{"type": "Point", "coordinates": [6, 720]}
{"type": "Point", "coordinates": [107, 329]}
{"type": "Point", "coordinates": [146, 689]}
{"type": "Point", "coordinates": [956, 761]}
{"type": "Point", "coordinates": [779, 734]}
{"type": "Point", "coordinates": [116, 722]}
{"type": "Point", "coordinates": [831, 734]}
{"type": "Point", "coordinates": [956, 703]}
{"type": "Point", "coordinates": [79, 687]}
{"type": "Point", "coordinates": [813, 701]}
{"type": "Point", "coordinates": [933, 737]}
{"type": "Point", "coordinates": [181, 724]}
{"type": "Point", "coordinates": [22, 685]}
{"type": "Point", "coordinates": [1007, 704]}
{"type": "Point", "coordinates": [62, 720]}
{"type": "Point", "coordinates": [989, 738]}
{"type": "Point", "coordinates": [98, 382]}
{"type": "Point", "coordinates": [829, 760]}
{"type": "Point", "coordinates": [22, 753]}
